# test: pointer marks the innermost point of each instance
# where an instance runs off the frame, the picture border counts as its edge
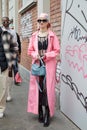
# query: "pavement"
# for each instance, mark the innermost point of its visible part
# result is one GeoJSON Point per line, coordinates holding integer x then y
{"type": "Point", "coordinates": [17, 118]}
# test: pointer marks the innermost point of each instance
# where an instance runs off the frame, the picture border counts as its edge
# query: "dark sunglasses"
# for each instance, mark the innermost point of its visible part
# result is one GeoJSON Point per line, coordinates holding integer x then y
{"type": "Point", "coordinates": [5, 22]}
{"type": "Point", "coordinates": [42, 20]}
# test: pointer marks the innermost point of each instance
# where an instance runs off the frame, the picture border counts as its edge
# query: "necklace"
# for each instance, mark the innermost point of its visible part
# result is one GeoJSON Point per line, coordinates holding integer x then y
{"type": "Point", "coordinates": [43, 34]}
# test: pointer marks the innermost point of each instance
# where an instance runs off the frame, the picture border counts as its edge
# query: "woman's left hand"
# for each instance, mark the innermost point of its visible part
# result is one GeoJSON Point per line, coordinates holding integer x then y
{"type": "Point", "coordinates": [43, 57]}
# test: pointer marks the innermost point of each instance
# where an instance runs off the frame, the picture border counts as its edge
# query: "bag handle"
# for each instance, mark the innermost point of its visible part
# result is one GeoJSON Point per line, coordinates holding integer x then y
{"type": "Point", "coordinates": [42, 61]}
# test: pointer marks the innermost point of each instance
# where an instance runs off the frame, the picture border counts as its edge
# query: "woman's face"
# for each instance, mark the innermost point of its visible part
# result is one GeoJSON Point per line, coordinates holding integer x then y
{"type": "Point", "coordinates": [42, 23]}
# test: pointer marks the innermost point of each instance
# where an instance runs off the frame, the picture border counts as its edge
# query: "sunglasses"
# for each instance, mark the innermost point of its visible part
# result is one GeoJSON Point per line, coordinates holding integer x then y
{"type": "Point", "coordinates": [5, 22]}
{"type": "Point", "coordinates": [42, 20]}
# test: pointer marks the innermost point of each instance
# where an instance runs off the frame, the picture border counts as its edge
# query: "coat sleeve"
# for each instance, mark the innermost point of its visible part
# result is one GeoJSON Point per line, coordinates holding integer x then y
{"type": "Point", "coordinates": [55, 49]}
{"type": "Point", "coordinates": [13, 48]}
{"type": "Point", "coordinates": [19, 43]}
{"type": "Point", "coordinates": [10, 48]}
{"type": "Point", "coordinates": [31, 49]}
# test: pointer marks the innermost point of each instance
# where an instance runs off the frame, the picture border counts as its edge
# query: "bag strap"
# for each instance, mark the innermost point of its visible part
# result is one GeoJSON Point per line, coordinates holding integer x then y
{"type": "Point", "coordinates": [39, 84]}
{"type": "Point", "coordinates": [42, 61]}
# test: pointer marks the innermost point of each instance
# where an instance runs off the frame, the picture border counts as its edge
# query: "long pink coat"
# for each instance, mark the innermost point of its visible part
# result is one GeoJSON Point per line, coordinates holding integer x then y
{"type": "Point", "coordinates": [52, 51]}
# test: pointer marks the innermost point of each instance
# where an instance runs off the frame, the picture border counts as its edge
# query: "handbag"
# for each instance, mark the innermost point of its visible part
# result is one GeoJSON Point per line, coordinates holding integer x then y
{"type": "Point", "coordinates": [58, 71]}
{"type": "Point", "coordinates": [38, 70]}
{"type": "Point", "coordinates": [18, 78]}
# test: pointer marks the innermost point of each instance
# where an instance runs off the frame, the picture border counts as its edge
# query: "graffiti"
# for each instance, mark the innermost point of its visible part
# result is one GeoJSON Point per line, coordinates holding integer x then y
{"type": "Point", "coordinates": [80, 11]}
{"type": "Point", "coordinates": [76, 57]}
{"type": "Point", "coordinates": [26, 25]}
{"type": "Point", "coordinates": [84, 16]}
{"type": "Point", "coordinates": [74, 60]}
{"type": "Point", "coordinates": [76, 34]}
{"type": "Point", "coordinates": [74, 10]}
{"type": "Point", "coordinates": [80, 96]}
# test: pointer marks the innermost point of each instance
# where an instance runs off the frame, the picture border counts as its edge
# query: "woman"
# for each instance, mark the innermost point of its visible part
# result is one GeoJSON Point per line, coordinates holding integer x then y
{"type": "Point", "coordinates": [45, 45]}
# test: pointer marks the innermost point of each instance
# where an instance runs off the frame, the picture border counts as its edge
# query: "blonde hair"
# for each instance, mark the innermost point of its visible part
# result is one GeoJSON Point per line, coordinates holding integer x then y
{"type": "Point", "coordinates": [45, 16]}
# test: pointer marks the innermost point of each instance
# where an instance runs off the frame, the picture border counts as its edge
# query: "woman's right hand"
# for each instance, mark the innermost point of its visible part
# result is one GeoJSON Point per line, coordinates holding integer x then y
{"type": "Point", "coordinates": [38, 57]}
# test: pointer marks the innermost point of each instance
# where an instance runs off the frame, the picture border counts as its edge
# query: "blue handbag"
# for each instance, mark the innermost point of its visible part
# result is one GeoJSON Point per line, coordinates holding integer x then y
{"type": "Point", "coordinates": [38, 70]}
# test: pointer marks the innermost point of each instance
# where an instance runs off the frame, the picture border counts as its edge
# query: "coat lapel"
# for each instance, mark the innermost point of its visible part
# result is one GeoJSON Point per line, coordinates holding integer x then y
{"type": "Point", "coordinates": [35, 39]}
{"type": "Point", "coordinates": [50, 39]}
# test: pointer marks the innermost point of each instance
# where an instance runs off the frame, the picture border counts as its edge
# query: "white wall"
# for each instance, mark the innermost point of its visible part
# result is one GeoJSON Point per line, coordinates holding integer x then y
{"type": "Point", "coordinates": [73, 99]}
{"type": "Point", "coordinates": [13, 12]}
{"type": "Point", "coordinates": [11, 9]}
{"type": "Point", "coordinates": [44, 6]}
{"type": "Point", "coordinates": [5, 7]}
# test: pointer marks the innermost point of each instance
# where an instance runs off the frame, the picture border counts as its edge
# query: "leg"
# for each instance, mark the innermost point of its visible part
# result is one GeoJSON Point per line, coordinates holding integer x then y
{"type": "Point", "coordinates": [44, 101]}
{"type": "Point", "coordinates": [47, 117]}
{"type": "Point", "coordinates": [3, 92]}
{"type": "Point", "coordinates": [9, 84]}
{"type": "Point", "coordinates": [40, 114]}
{"type": "Point", "coordinates": [47, 112]}
{"type": "Point", "coordinates": [40, 109]}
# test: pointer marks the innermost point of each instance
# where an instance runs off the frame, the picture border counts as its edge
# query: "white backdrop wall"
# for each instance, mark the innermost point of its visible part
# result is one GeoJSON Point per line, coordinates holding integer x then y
{"type": "Point", "coordinates": [73, 98]}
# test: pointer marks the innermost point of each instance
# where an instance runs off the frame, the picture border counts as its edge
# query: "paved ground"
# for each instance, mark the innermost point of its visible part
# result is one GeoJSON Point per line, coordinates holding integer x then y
{"type": "Point", "coordinates": [16, 117]}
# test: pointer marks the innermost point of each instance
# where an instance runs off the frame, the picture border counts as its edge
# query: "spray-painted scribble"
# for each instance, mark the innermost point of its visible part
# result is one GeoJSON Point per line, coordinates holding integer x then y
{"type": "Point", "coordinates": [74, 61]}
{"type": "Point", "coordinates": [26, 25]}
{"type": "Point", "coordinates": [80, 96]}
{"type": "Point", "coordinates": [76, 34]}
{"type": "Point", "coordinates": [76, 57]}
{"type": "Point", "coordinates": [80, 14]}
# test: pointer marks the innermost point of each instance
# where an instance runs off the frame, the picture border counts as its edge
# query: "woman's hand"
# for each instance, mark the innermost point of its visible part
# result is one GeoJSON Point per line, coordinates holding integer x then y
{"type": "Point", "coordinates": [43, 57]}
{"type": "Point", "coordinates": [38, 57]}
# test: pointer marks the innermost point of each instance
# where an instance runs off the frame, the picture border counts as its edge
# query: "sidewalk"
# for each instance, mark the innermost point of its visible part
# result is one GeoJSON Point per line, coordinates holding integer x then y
{"type": "Point", "coordinates": [17, 118]}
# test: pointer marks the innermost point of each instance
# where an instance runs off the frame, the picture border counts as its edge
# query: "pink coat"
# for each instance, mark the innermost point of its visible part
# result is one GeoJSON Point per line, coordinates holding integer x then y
{"type": "Point", "coordinates": [50, 61]}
